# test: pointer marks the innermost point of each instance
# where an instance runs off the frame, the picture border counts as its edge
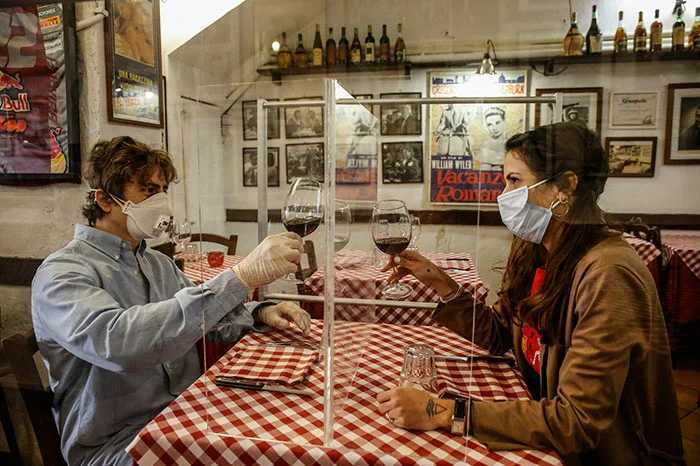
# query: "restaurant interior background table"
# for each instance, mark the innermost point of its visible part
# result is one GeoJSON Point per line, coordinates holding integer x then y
{"type": "Point", "coordinates": [208, 424]}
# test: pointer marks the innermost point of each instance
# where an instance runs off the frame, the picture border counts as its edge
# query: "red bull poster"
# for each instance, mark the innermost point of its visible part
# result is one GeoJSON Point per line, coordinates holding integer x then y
{"type": "Point", "coordinates": [467, 142]}
{"type": "Point", "coordinates": [39, 140]}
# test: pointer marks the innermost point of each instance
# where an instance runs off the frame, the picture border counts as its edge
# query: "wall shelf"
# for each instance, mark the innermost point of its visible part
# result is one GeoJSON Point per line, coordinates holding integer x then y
{"type": "Point", "coordinates": [278, 74]}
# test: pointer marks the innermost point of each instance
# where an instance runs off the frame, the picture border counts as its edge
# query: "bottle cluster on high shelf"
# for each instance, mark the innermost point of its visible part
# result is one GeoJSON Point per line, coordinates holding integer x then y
{"type": "Point", "coordinates": [642, 42]}
{"type": "Point", "coordinates": [343, 52]}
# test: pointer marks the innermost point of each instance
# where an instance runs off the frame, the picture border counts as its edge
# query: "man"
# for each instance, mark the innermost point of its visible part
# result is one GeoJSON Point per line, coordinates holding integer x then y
{"type": "Point", "coordinates": [493, 150]}
{"type": "Point", "coordinates": [117, 322]}
{"type": "Point", "coordinates": [690, 137]}
{"type": "Point", "coordinates": [295, 125]}
{"type": "Point", "coordinates": [408, 122]}
{"type": "Point", "coordinates": [451, 132]}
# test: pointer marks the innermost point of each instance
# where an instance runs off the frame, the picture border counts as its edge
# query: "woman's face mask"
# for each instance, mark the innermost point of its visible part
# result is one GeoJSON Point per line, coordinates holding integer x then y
{"type": "Point", "coordinates": [525, 220]}
{"type": "Point", "coordinates": [149, 218]}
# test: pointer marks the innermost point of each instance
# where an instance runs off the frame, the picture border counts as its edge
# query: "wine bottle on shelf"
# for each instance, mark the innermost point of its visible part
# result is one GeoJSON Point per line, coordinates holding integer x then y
{"type": "Point", "coordinates": [284, 56]}
{"type": "Point", "coordinates": [657, 30]}
{"type": "Point", "coordinates": [369, 46]}
{"type": "Point", "coordinates": [678, 34]}
{"type": "Point", "coordinates": [399, 48]}
{"type": "Point", "coordinates": [318, 48]}
{"type": "Point", "coordinates": [330, 49]}
{"type": "Point", "coordinates": [384, 47]}
{"type": "Point", "coordinates": [620, 39]}
{"type": "Point", "coordinates": [640, 35]}
{"type": "Point", "coordinates": [343, 48]}
{"type": "Point", "coordinates": [355, 50]}
{"type": "Point", "coordinates": [594, 39]}
{"type": "Point", "coordinates": [694, 37]}
{"type": "Point", "coordinates": [573, 41]}
{"type": "Point", "coordinates": [300, 58]}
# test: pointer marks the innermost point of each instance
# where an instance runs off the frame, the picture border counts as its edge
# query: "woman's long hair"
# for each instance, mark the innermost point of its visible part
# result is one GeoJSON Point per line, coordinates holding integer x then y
{"type": "Point", "coordinates": [551, 151]}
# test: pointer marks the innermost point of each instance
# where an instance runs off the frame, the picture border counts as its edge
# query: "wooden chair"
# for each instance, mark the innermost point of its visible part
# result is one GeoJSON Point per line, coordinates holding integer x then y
{"type": "Point", "coordinates": [231, 242]}
{"type": "Point", "coordinates": [639, 229]}
{"type": "Point", "coordinates": [167, 248]}
{"type": "Point", "coordinates": [12, 457]}
{"type": "Point", "coordinates": [314, 309]}
{"type": "Point", "coordinates": [20, 350]}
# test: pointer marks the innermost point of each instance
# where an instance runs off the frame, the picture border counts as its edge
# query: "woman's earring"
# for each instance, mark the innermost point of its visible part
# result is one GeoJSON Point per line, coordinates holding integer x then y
{"type": "Point", "coordinates": [560, 203]}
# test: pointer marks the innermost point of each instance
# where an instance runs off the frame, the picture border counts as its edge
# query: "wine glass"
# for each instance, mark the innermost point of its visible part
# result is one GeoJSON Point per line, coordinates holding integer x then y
{"type": "Point", "coordinates": [391, 232]}
{"type": "Point", "coordinates": [303, 210]}
{"type": "Point", "coordinates": [415, 232]}
{"type": "Point", "coordinates": [343, 223]}
{"type": "Point", "coordinates": [182, 235]}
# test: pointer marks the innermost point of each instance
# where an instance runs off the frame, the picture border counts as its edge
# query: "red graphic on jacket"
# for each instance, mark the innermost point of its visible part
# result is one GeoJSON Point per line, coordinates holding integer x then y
{"type": "Point", "coordinates": [532, 349]}
{"type": "Point", "coordinates": [58, 158]}
{"type": "Point", "coordinates": [8, 81]}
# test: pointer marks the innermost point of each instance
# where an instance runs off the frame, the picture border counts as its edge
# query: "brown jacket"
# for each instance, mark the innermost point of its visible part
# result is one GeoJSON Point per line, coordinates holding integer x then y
{"type": "Point", "coordinates": [607, 394]}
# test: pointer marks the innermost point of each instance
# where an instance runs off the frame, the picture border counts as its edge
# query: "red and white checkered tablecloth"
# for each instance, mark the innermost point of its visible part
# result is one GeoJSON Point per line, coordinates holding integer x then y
{"type": "Point", "coordinates": [199, 271]}
{"type": "Point", "coordinates": [357, 277]}
{"type": "Point", "coordinates": [686, 245]}
{"type": "Point", "coordinates": [284, 364]}
{"type": "Point", "coordinates": [208, 424]}
{"type": "Point", "coordinates": [646, 250]}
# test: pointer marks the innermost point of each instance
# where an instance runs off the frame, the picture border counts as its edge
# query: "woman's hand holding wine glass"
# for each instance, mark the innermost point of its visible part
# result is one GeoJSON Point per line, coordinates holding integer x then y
{"type": "Point", "coordinates": [391, 232]}
{"type": "Point", "coordinates": [413, 263]}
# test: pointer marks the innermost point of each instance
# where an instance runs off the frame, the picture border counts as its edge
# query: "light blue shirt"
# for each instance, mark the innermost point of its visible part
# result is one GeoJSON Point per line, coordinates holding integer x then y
{"type": "Point", "coordinates": [117, 331]}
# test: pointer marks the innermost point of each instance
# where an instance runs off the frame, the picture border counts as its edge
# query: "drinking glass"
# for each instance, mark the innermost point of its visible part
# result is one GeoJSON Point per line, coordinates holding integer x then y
{"type": "Point", "coordinates": [343, 224]}
{"type": "Point", "coordinates": [303, 210]}
{"type": "Point", "coordinates": [415, 232]}
{"type": "Point", "coordinates": [182, 235]}
{"type": "Point", "coordinates": [391, 233]}
{"type": "Point", "coordinates": [418, 369]}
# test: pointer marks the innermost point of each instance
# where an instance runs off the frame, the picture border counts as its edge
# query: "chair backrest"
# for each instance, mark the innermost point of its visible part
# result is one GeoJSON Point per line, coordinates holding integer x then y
{"type": "Point", "coordinates": [231, 242]}
{"type": "Point", "coordinates": [637, 228]}
{"type": "Point", "coordinates": [167, 248]}
{"type": "Point", "coordinates": [20, 350]}
{"type": "Point", "coordinates": [314, 309]}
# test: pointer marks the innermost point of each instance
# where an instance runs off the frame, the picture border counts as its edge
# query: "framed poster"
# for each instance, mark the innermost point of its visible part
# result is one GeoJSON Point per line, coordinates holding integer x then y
{"type": "Point", "coordinates": [39, 121]}
{"type": "Point", "coordinates": [631, 157]}
{"type": "Point", "coordinates": [683, 124]}
{"type": "Point", "coordinates": [634, 110]}
{"type": "Point", "coordinates": [305, 160]}
{"type": "Point", "coordinates": [249, 110]}
{"type": "Point", "coordinates": [580, 103]}
{"type": "Point", "coordinates": [303, 121]}
{"type": "Point", "coordinates": [132, 54]}
{"type": "Point", "coordinates": [250, 167]}
{"type": "Point", "coordinates": [399, 119]}
{"type": "Point", "coordinates": [467, 142]}
{"type": "Point", "coordinates": [402, 162]}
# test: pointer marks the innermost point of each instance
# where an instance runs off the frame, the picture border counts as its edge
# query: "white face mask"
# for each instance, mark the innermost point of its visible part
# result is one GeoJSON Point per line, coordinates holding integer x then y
{"type": "Point", "coordinates": [525, 220]}
{"type": "Point", "coordinates": [149, 218]}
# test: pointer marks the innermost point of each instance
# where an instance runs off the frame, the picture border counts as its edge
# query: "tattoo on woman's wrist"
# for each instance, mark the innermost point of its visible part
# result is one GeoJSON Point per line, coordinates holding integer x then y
{"type": "Point", "coordinates": [432, 408]}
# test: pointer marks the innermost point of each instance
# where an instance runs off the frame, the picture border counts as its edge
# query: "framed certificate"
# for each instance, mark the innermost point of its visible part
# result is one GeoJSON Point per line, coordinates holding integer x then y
{"type": "Point", "coordinates": [634, 110]}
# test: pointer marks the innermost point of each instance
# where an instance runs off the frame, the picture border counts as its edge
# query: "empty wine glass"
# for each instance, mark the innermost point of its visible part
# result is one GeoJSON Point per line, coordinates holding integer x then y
{"type": "Point", "coordinates": [415, 232]}
{"type": "Point", "coordinates": [303, 210]}
{"type": "Point", "coordinates": [182, 235]}
{"type": "Point", "coordinates": [343, 224]}
{"type": "Point", "coordinates": [391, 232]}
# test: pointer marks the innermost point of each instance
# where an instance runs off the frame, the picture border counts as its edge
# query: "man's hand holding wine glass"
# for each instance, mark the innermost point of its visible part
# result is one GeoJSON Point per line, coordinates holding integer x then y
{"type": "Point", "coordinates": [276, 256]}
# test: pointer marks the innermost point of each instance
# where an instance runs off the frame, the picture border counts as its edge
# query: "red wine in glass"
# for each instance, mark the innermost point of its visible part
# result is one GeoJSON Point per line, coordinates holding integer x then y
{"type": "Point", "coordinates": [392, 246]}
{"type": "Point", "coordinates": [303, 210]}
{"type": "Point", "coordinates": [302, 226]}
{"type": "Point", "coordinates": [391, 232]}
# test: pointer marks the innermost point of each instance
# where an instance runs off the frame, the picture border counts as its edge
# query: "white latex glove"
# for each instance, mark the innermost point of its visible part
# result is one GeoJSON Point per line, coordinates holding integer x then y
{"type": "Point", "coordinates": [276, 256]}
{"type": "Point", "coordinates": [282, 315]}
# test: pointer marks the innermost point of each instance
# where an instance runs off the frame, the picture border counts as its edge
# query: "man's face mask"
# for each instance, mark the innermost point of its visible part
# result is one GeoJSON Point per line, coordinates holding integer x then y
{"type": "Point", "coordinates": [149, 218]}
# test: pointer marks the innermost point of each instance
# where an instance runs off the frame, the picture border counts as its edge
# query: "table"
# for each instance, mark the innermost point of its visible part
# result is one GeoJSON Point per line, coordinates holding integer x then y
{"type": "Point", "coordinates": [649, 253]}
{"type": "Point", "coordinates": [199, 271]}
{"type": "Point", "coordinates": [212, 425]}
{"type": "Point", "coordinates": [357, 277]}
{"type": "Point", "coordinates": [681, 290]}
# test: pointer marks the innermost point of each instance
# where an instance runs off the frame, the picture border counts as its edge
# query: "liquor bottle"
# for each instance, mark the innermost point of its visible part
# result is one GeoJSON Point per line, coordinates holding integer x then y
{"type": "Point", "coordinates": [284, 56]}
{"type": "Point", "coordinates": [694, 36]}
{"type": "Point", "coordinates": [620, 39]}
{"type": "Point", "coordinates": [594, 39]}
{"type": "Point", "coordinates": [355, 50]}
{"type": "Point", "coordinates": [657, 30]}
{"type": "Point", "coordinates": [678, 34]}
{"type": "Point", "coordinates": [573, 41]}
{"type": "Point", "coordinates": [399, 48]}
{"type": "Point", "coordinates": [330, 49]}
{"type": "Point", "coordinates": [343, 48]}
{"type": "Point", "coordinates": [300, 58]}
{"type": "Point", "coordinates": [318, 48]}
{"type": "Point", "coordinates": [384, 47]}
{"type": "Point", "coordinates": [640, 35]}
{"type": "Point", "coordinates": [369, 46]}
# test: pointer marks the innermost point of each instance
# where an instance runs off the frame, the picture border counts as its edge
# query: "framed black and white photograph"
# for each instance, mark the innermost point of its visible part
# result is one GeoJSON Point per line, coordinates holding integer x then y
{"type": "Point", "coordinates": [631, 157]}
{"type": "Point", "coordinates": [580, 103]}
{"type": "Point", "coordinates": [304, 160]}
{"type": "Point", "coordinates": [250, 121]}
{"type": "Point", "coordinates": [369, 107]}
{"type": "Point", "coordinates": [402, 162]}
{"type": "Point", "coordinates": [354, 122]}
{"type": "Point", "coordinates": [634, 110]}
{"type": "Point", "coordinates": [303, 121]}
{"type": "Point", "coordinates": [683, 124]}
{"type": "Point", "coordinates": [250, 166]}
{"type": "Point", "coordinates": [401, 119]}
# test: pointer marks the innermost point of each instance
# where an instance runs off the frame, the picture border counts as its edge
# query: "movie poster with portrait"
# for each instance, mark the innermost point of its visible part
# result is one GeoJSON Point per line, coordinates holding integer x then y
{"type": "Point", "coordinates": [39, 123]}
{"type": "Point", "coordinates": [467, 142]}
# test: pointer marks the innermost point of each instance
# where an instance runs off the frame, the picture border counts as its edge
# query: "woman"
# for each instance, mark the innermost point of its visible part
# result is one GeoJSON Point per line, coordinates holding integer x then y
{"type": "Point", "coordinates": [578, 308]}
